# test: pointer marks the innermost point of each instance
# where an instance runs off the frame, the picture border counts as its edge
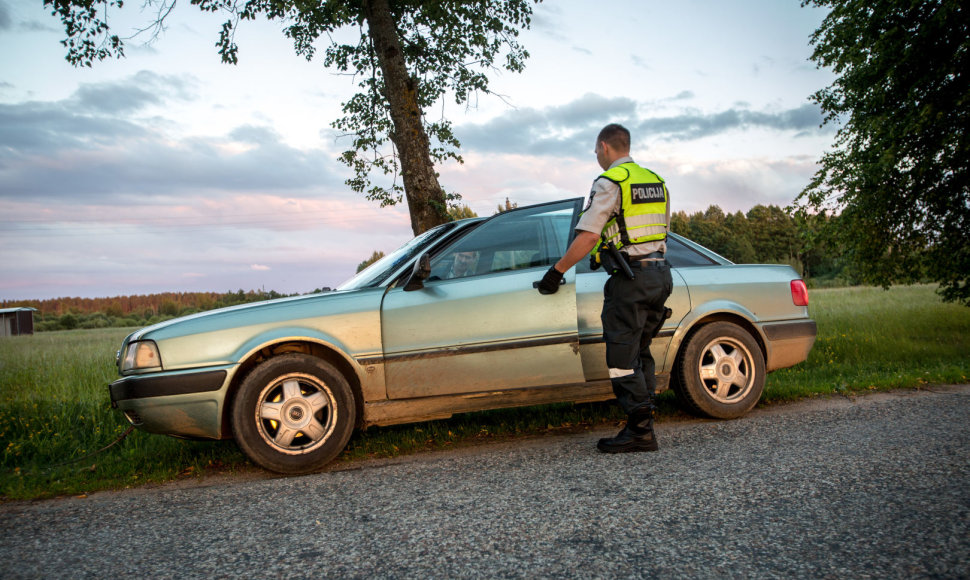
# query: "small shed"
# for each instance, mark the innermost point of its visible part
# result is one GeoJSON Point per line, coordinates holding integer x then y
{"type": "Point", "coordinates": [14, 321]}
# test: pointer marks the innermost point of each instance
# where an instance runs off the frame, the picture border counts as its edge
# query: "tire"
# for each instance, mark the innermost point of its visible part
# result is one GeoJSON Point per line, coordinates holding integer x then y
{"type": "Point", "coordinates": [293, 414]}
{"type": "Point", "coordinates": [721, 372]}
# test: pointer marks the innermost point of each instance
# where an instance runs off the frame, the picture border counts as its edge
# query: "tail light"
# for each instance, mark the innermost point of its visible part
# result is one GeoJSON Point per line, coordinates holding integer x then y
{"type": "Point", "coordinates": [799, 293]}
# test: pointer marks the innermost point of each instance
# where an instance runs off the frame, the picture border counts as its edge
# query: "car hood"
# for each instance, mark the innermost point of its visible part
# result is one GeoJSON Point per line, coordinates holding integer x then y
{"type": "Point", "coordinates": [279, 310]}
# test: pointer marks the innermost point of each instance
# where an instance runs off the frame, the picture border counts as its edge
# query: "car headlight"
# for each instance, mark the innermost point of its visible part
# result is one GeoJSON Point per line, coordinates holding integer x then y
{"type": "Point", "coordinates": [142, 356]}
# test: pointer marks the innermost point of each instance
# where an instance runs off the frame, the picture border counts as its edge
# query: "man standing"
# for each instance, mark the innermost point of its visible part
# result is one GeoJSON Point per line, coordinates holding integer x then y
{"type": "Point", "coordinates": [628, 210]}
{"type": "Point", "coordinates": [462, 265]}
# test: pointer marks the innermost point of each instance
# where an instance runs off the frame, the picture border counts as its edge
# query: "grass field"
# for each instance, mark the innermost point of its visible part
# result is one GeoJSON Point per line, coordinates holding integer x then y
{"type": "Point", "coordinates": [54, 406]}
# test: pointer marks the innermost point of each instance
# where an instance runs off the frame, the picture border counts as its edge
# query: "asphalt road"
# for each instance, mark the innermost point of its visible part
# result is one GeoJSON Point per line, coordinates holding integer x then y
{"type": "Point", "coordinates": [872, 487]}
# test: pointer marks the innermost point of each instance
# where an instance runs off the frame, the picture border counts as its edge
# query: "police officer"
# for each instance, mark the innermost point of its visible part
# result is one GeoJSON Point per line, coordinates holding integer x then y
{"type": "Point", "coordinates": [628, 208]}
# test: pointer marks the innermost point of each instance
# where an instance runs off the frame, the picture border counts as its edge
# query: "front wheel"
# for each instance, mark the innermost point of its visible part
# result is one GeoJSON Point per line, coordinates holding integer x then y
{"type": "Point", "coordinates": [721, 372]}
{"type": "Point", "coordinates": [293, 414]}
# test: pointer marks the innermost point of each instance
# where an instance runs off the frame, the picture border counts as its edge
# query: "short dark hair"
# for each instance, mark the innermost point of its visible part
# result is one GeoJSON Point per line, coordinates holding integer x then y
{"type": "Point", "coordinates": [616, 136]}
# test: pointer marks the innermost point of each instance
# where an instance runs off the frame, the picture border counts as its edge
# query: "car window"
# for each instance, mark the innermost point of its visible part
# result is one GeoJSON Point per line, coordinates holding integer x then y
{"type": "Point", "coordinates": [679, 254]}
{"type": "Point", "coordinates": [527, 238]}
{"type": "Point", "coordinates": [377, 272]}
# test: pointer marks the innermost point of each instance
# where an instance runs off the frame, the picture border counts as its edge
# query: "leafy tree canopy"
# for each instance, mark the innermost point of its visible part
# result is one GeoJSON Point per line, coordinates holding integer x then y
{"type": "Point", "coordinates": [898, 171]}
{"type": "Point", "coordinates": [509, 205]}
{"type": "Point", "coordinates": [461, 212]}
{"type": "Point", "coordinates": [377, 255]}
{"type": "Point", "coordinates": [409, 55]}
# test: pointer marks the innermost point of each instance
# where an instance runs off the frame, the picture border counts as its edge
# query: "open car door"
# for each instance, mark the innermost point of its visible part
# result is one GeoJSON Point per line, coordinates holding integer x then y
{"type": "Point", "coordinates": [479, 324]}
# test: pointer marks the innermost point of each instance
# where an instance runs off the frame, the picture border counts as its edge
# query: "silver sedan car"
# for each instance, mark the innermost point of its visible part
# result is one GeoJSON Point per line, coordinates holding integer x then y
{"type": "Point", "coordinates": [451, 322]}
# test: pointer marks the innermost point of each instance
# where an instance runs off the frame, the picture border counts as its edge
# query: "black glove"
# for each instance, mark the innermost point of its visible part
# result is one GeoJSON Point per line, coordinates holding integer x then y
{"type": "Point", "coordinates": [550, 282]}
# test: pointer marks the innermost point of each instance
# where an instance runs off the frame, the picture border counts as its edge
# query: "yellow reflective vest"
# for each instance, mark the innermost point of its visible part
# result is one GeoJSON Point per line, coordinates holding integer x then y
{"type": "Point", "coordinates": [643, 207]}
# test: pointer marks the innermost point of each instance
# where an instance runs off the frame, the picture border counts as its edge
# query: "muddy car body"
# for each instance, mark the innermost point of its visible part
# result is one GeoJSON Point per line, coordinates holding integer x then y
{"type": "Point", "coordinates": [451, 323]}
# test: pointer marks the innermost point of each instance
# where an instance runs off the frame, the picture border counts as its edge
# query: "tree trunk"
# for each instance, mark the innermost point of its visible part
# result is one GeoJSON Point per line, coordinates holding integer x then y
{"type": "Point", "coordinates": [426, 199]}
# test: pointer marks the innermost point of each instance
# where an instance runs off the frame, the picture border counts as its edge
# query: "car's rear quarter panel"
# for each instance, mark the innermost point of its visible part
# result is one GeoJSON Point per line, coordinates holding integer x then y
{"type": "Point", "coordinates": [754, 296]}
{"type": "Point", "coordinates": [758, 294]}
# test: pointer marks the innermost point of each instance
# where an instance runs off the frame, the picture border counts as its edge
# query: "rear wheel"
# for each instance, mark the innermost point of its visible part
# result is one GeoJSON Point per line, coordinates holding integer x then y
{"type": "Point", "coordinates": [721, 372]}
{"type": "Point", "coordinates": [293, 414]}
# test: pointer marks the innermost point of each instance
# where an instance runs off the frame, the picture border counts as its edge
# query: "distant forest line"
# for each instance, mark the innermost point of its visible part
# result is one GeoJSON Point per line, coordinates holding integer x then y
{"type": "Point", "coordinates": [138, 310]}
{"type": "Point", "coordinates": [765, 234]}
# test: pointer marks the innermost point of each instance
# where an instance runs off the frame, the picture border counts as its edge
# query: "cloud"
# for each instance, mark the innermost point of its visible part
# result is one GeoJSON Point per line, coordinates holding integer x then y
{"type": "Point", "coordinates": [197, 243]}
{"type": "Point", "coordinates": [106, 172]}
{"type": "Point", "coordinates": [548, 19]}
{"type": "Point", "coordinates": [253, 134]}
{"type": "Point", "coordinates": [568, 130]}
{"type": "Point", "coordinates": [735, 184]}
{"type": "Point", "coordinates": [563, 129]}
{"type": "Point", "coordinates": [145, 166]}
{"type": "Point", "coordinates": [12, 20]}
{"type": "Point", "coordinates": [96, 115]}
{"type": "Point", "coordinates": [640, 62]}
{"type": "Point", "coordinates": [91, 146]}
{"type": "Point", "coordinates": [6, 23]}
{"type": "Point", "coordinates": [698, 125]}
{"type": "Point", "coordinates": [137, 92]}
{"type": "Point", "coordinates": [39, 127]}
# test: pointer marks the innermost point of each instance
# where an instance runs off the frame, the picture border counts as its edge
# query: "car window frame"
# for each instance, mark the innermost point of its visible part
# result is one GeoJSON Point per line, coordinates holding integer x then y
{"type": "Point", "coordinates": [692, 247]}
{"type": "Point", "coordinates": [448, 245]}
{"type": "Point", "coordinates": [445, 242]}
{"type": "Point", "coordinates": [404, 265]}
{"type": "Point", "coordinates": [432, 249]}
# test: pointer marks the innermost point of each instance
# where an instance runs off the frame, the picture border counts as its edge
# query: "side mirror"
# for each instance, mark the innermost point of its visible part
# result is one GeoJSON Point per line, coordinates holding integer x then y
{"type": "Point", "coordinates": [420, 273]}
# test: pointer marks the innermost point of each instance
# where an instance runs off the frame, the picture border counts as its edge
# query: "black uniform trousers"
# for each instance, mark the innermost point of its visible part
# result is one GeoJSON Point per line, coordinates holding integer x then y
{"type": "Point", "coordinates": [632, 315]}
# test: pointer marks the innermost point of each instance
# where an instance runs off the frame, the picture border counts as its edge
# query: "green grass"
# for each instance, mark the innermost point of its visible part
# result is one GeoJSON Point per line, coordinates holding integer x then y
{"type": "Point", "coordinates": [54, 409]}
{"type": "Point", "coordinates": [870, 338]}
{"type": "Point", "coordinates": [54, 402]}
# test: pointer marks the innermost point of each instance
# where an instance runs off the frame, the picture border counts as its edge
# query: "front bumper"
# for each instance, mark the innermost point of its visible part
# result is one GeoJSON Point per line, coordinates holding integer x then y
{"type": "Point", "coordinates": [182, 403]}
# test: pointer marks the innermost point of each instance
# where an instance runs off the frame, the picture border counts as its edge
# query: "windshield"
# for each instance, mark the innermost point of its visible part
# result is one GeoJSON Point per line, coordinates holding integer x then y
{"type": "Point", "coordinates": [379, 271]}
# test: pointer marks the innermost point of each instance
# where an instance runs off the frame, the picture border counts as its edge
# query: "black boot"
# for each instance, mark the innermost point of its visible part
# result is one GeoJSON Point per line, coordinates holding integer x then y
{"type": "Point", "coordinates": [636, 436]}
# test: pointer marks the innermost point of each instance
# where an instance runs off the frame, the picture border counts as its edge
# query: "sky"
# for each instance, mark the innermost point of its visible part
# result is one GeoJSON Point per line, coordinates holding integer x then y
{"type": "Point", "coordinates": [168, 171]}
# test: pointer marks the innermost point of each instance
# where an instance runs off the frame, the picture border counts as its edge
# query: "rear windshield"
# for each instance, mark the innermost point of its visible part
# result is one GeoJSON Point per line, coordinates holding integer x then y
{"type": "Point", "coordinates": [680, 255]}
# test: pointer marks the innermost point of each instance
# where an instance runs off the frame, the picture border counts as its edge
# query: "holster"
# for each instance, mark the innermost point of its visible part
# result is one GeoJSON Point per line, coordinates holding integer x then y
{"type": "Point", "coordinates": [615, 261]}
{"type": "Point", "coordinates": [607, 261]}
{"type": "Point", "coordinates": [667, 314]}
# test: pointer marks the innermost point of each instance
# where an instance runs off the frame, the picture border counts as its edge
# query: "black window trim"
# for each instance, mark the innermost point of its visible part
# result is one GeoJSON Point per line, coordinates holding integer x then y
{"type": "Point", "coordinates": [456, 235]}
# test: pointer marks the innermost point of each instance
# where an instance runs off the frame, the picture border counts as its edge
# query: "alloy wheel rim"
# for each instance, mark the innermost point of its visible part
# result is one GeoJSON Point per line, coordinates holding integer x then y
{"type": "Point", "coordinates": [726, 370]}
{"type": "Point", "coordinates": [296, 413]}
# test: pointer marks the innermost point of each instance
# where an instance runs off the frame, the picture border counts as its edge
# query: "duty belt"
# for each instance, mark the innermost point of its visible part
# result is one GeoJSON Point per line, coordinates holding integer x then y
{"type": "Point", "coordinates": [652, 257]}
